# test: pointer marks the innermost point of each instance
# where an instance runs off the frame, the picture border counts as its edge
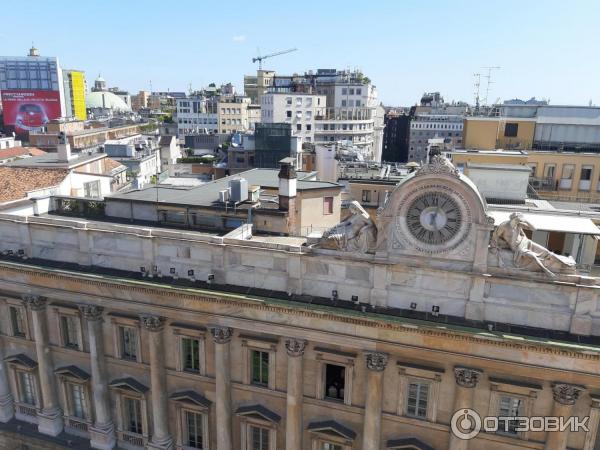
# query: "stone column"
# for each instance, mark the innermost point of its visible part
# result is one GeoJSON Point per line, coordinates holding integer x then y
{"type": "Point", "coordinates": [222, 337]}
{"type": "Point", "coordinates": [7, 408]}
{"type": "Point", "coordinates": [565, 396]}
{"type": "Point", "coordinates": [161, 438]}
{"type": "Point", "coordinates": [376, 363]}
{"type": "Point", "coordinates": [593, 424]}
{"type": "Point", "coordinates": [102, 434]}
{"type": "Point", "coordinates": [295, 394]}
{"type": "Point", "coordinates": [50, 420]}
{"type": "Point", "coordinates": [466, 382]}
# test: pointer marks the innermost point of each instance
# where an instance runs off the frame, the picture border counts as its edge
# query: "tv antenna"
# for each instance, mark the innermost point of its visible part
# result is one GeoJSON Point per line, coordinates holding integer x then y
{"type": "Point", "coordinates": [477, 84]}
{"type": "Point", "coordinates": [489, 81]}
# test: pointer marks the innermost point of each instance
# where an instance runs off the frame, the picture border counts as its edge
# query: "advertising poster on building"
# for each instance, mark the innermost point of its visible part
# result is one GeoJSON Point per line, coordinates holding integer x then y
{"type": "Point", "coordinates": [29, 110]}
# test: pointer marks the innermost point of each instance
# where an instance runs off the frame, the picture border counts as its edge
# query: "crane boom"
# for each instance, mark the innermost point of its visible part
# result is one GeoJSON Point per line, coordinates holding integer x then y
{"type": "Point", "coordinates": [270, 55]}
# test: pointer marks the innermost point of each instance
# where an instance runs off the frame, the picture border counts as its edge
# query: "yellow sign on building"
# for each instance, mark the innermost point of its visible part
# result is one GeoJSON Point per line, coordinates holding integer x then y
{"type": "Point", "coordinates": [77, 86]}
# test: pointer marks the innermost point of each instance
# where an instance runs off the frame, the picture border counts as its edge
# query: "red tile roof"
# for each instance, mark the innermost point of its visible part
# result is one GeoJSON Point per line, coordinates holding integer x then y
{"type": "Point", "coordinates": [20, 151]}
{"type": "Point", "coordinates": [16, 182]}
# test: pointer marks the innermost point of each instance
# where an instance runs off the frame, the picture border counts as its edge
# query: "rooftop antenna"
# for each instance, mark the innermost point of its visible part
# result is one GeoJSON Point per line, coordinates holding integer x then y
{"type": "Point", "coordinates": [489, 81]}
{"type": "Point", "coordinates": [476, 93]}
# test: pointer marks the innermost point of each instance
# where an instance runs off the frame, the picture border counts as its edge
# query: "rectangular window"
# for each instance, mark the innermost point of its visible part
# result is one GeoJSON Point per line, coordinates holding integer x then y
{"type": "Point", "coordinates": [27, 388]}
{"type": "Point", "coordinates": [509, 407]}
{"type": "Point", "coordinates": [288, 100]}
{"type": "Point", "coordinates": [335, 381]}
{"type": "Point", "coordinates": [351, 91]}
{"type": "Point", "coordinates": [344, 91]}
{"type": "Point", "coordinates": [298, 127]}
{"type": "Point", "coordinates": [418, 393]}
{"type": "Point", "coordinates": [192, 436]}
{"type": "Point", "coordinates": [327, 205]}
{"type": "Point", "coordinates": [288, 114]}
{"type": "Point", "coordinates": [511, 130]}
{"type": "Point", "coordinates": [191, 354]}
{"type": "Point", "coordinates": [132, 410]}
{"type": "Point", "coordinates": [549, 170]}
{"type": "Point", "coordinates": [366, 196]}
{"type": "Point", "coordinates": [69, 331]}
{"type": "Point", "coordinates": [567, 171]}
{"type": "Point", "coordinates": [308, 127]}
{"type": "Point", "coordinates": [586, 173]}
{"type": "Point", "coordinates": [260, 438]}
{"type": "Point", "coordinates": [77, 400]}
{"type": "Point", "coordinates": [128, 342]}
{"type": "Point", "coordinates": [358, 91]}
{"type": "Point", "coordinates": [260, 368]}
{"type": "Point", "coordinates": [17, 321]}
{"type": "Point", "coordinates": [343, 102]}
{"type": "Point", "coordinates": [330, 446]}
{"type": "Point", "coordinates": [91, 189]}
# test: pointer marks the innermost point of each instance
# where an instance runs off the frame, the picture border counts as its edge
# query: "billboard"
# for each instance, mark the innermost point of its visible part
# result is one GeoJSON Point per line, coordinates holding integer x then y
{"type": "Point", "coordinates": [30, 110]}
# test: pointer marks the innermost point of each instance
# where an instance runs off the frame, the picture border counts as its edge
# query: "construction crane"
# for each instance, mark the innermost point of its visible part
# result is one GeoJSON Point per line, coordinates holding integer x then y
{"type": "Point", "coordinates": [260, 58]}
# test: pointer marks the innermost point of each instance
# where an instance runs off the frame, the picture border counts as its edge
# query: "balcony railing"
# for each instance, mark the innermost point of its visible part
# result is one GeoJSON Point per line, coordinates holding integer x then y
{"type": "Point", "coordinates": [543, 184]}
{"type": "Point", "coordinates": [133, 439]}
{"type": "Point", "coordinates": [77, 426]}
{"type": "Point", "coordinates": [27, 413]}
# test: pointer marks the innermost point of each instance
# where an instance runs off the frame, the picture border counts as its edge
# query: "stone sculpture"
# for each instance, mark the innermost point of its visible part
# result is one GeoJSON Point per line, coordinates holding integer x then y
{"type": "Point", "coordinates": [355, 234]}
{"type": "Point", "coordinates": [527, 254]}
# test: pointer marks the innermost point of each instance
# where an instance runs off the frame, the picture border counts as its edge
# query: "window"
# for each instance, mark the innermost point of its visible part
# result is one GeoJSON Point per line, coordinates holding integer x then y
{"type": "Point", "coordinates": [308, 127]}
{"type": "Point", "coordinates": [260, 438]}
{"type": "Point", "coordinates": [327, 205]}
{"type": "Point", "coordinates": [331, 446]}
{"type": "Point", "coordinates": [586, 173]}
{"type": "Point", "coordinates": [567, 171]}
{"type": "Point", "coordinates": [26, 388]}
{"type": "Point", "coordinates": [344, 91]}
{"type": "Point", "coordinates": [69, 330]}
{"type": "Point", "coordinates": [298, 127]}
{"type": "Point", "coordinates": [288, 113]}
{"type": "Point", "coordinates": [351, 91]}
{"type": "Point", "coordinates": [418, 393]}
{"type": "Point", "coordinates": [260, 367]}
{"type": "Point", "coordinates": [358, 91]}
{"type": "Point", "coordinates": [132, 415]}
{"type": "Point", "coordinates": [366, 196]}
{"type": "Point", "coordinates": [343, 102]}
{"type": "Point", "coordinates": [91, 189]}
{"type": "Point", "coordinates": [549, 170]}
{"type": "Point", "coordinates": [17, 321]}
{"type": "Point", "coordinates": [509, 407]}
{"type": "Point", "coordinates": [190, 349]}
{"type": "Point", "coordinates": [511, 130]}
{"type": "Point", "coordinates": [288, 101]}
{"type": "Point", "coordinates": [128, 343]}
{"type": "Point", "coordinates": [193, 429]}
{"type": "Point", "coordinates": [357, 103]}
{"type": "Point", "coordinates": [335, 380]}
{"type": "Point", "coordinates": [77, 400]}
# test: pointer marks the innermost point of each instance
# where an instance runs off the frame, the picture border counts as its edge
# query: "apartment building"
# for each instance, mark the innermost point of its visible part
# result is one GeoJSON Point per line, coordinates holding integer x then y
{"type": "Point", "coordinates": [299, 110]}
{"type": "Point", "coordinates": [197, 113]}
{"type": "Point", "coordinates": [233, 114]}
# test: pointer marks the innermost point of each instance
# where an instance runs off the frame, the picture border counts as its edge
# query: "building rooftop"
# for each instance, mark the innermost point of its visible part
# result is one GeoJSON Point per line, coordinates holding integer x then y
{"type": "Point", "coordinates": [53, 161]}
{"type": "Point", "coordinates": [14, 152]}
{"type": "Point", "coordinates": [17, 182]}
{"type": "Point", "coordinates": [208, 193]}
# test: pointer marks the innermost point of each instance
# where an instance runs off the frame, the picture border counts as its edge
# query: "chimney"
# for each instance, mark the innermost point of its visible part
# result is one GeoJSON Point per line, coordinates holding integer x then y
{"type": "Point", "coordinates": [63, 148]}
{"type": "Point", "coordinates": [287, 183]}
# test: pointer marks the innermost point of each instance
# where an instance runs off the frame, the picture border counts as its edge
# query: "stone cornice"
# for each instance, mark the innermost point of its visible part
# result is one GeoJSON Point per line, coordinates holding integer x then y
{"type": "Point", "coordinates": [298, 310]}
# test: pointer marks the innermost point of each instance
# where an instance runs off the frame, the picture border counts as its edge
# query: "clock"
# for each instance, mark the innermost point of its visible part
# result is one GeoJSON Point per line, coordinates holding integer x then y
{"type": "Point", "coordinates": [434, 218]}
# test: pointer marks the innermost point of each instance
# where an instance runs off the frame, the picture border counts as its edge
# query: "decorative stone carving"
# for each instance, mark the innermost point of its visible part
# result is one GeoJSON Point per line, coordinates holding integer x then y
{"type": "Point", "coordinates": [566, 394]}
{"type": "Point", "coordinates": [438, 165]}
{"type": "Point", "coordinates": [466, 377]}
{"type": "Point", "coordinates": [221, 335]}
{"type": "Point", "coordinates": [376, 360]}
{"type": "Point", "coordinates": [91, 312]}
{"type": "Point", "coordinates": [35, 302]}
{"type": "Point", "coordinates": [153, 323]}
{"type": "Point", "coordinates": [526, 254]}
{"type": "Point", "coordinates": [357, 233]}
{"type": "Point", "coordinates": [295, 347]}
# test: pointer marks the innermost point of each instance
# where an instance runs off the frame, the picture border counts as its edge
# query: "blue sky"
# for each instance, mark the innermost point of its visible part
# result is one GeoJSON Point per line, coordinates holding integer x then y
{"type": "Point", "coordinates": [548, 49]}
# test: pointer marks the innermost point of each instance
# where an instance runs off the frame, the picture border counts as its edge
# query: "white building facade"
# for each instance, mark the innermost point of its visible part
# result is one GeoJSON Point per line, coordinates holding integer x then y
{"type": "Point", "coordinates": [299, 110]}
{"type": "Point", "coordinates": [195, 114]}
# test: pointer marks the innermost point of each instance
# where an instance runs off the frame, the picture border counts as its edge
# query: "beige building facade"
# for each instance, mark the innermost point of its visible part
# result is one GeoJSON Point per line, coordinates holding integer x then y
{"type": "Point", "coordinates": [173, 339]}
{"type": "Point", "coordinates": [488, 133]}
{"type": "Point", "coordinates": [232, 114]}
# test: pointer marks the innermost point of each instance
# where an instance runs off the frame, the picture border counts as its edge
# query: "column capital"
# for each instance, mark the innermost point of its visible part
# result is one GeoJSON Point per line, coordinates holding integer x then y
{"type": "Point", "coordinates": [295, 347]}
{"type": "Point", "coordinates": [467, 377]}
{"type": "Point", "coordinates": [376, 361]}
{"type": "Point", "coordinates": [152, 323]}
{"type": "Point", "coordinates": [566, 394]}
{"type": "Point", "coordinates": [221, 335]}
{"type": "Point", "coordinates": [35, 302]}
{"type": "Point", "coordinates": [91, 312]}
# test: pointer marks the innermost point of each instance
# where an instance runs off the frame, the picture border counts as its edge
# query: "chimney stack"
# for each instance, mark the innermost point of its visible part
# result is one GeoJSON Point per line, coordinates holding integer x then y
{"type": "Point", "coordinates": [63, 148]}
{"type": "Point", "coordinates": [287, 184]}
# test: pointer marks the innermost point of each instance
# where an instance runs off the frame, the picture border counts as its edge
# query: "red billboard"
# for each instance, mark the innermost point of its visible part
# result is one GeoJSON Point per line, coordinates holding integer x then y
{"type": "Point", "coordinates": [30, 110]}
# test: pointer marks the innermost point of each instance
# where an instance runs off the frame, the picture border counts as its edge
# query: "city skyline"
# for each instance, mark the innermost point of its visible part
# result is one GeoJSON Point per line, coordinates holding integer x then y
{"type": "Point", "coordinates": [403, 47]}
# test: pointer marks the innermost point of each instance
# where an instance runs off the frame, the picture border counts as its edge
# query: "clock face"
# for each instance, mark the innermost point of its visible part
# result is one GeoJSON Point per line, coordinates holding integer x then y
{"type": "Point", "coordinates": [433, 218]}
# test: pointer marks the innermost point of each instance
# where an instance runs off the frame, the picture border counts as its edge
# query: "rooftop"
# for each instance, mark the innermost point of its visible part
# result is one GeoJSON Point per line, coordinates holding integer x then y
{"type": "Point", "coordinates": [18, 182]}
{"type": "Point", "coordinates": [14, 152]}
{"type": "Point", "coordinates": [208, 193]}
{"type": "Point", "coordinates": [53, 161]}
